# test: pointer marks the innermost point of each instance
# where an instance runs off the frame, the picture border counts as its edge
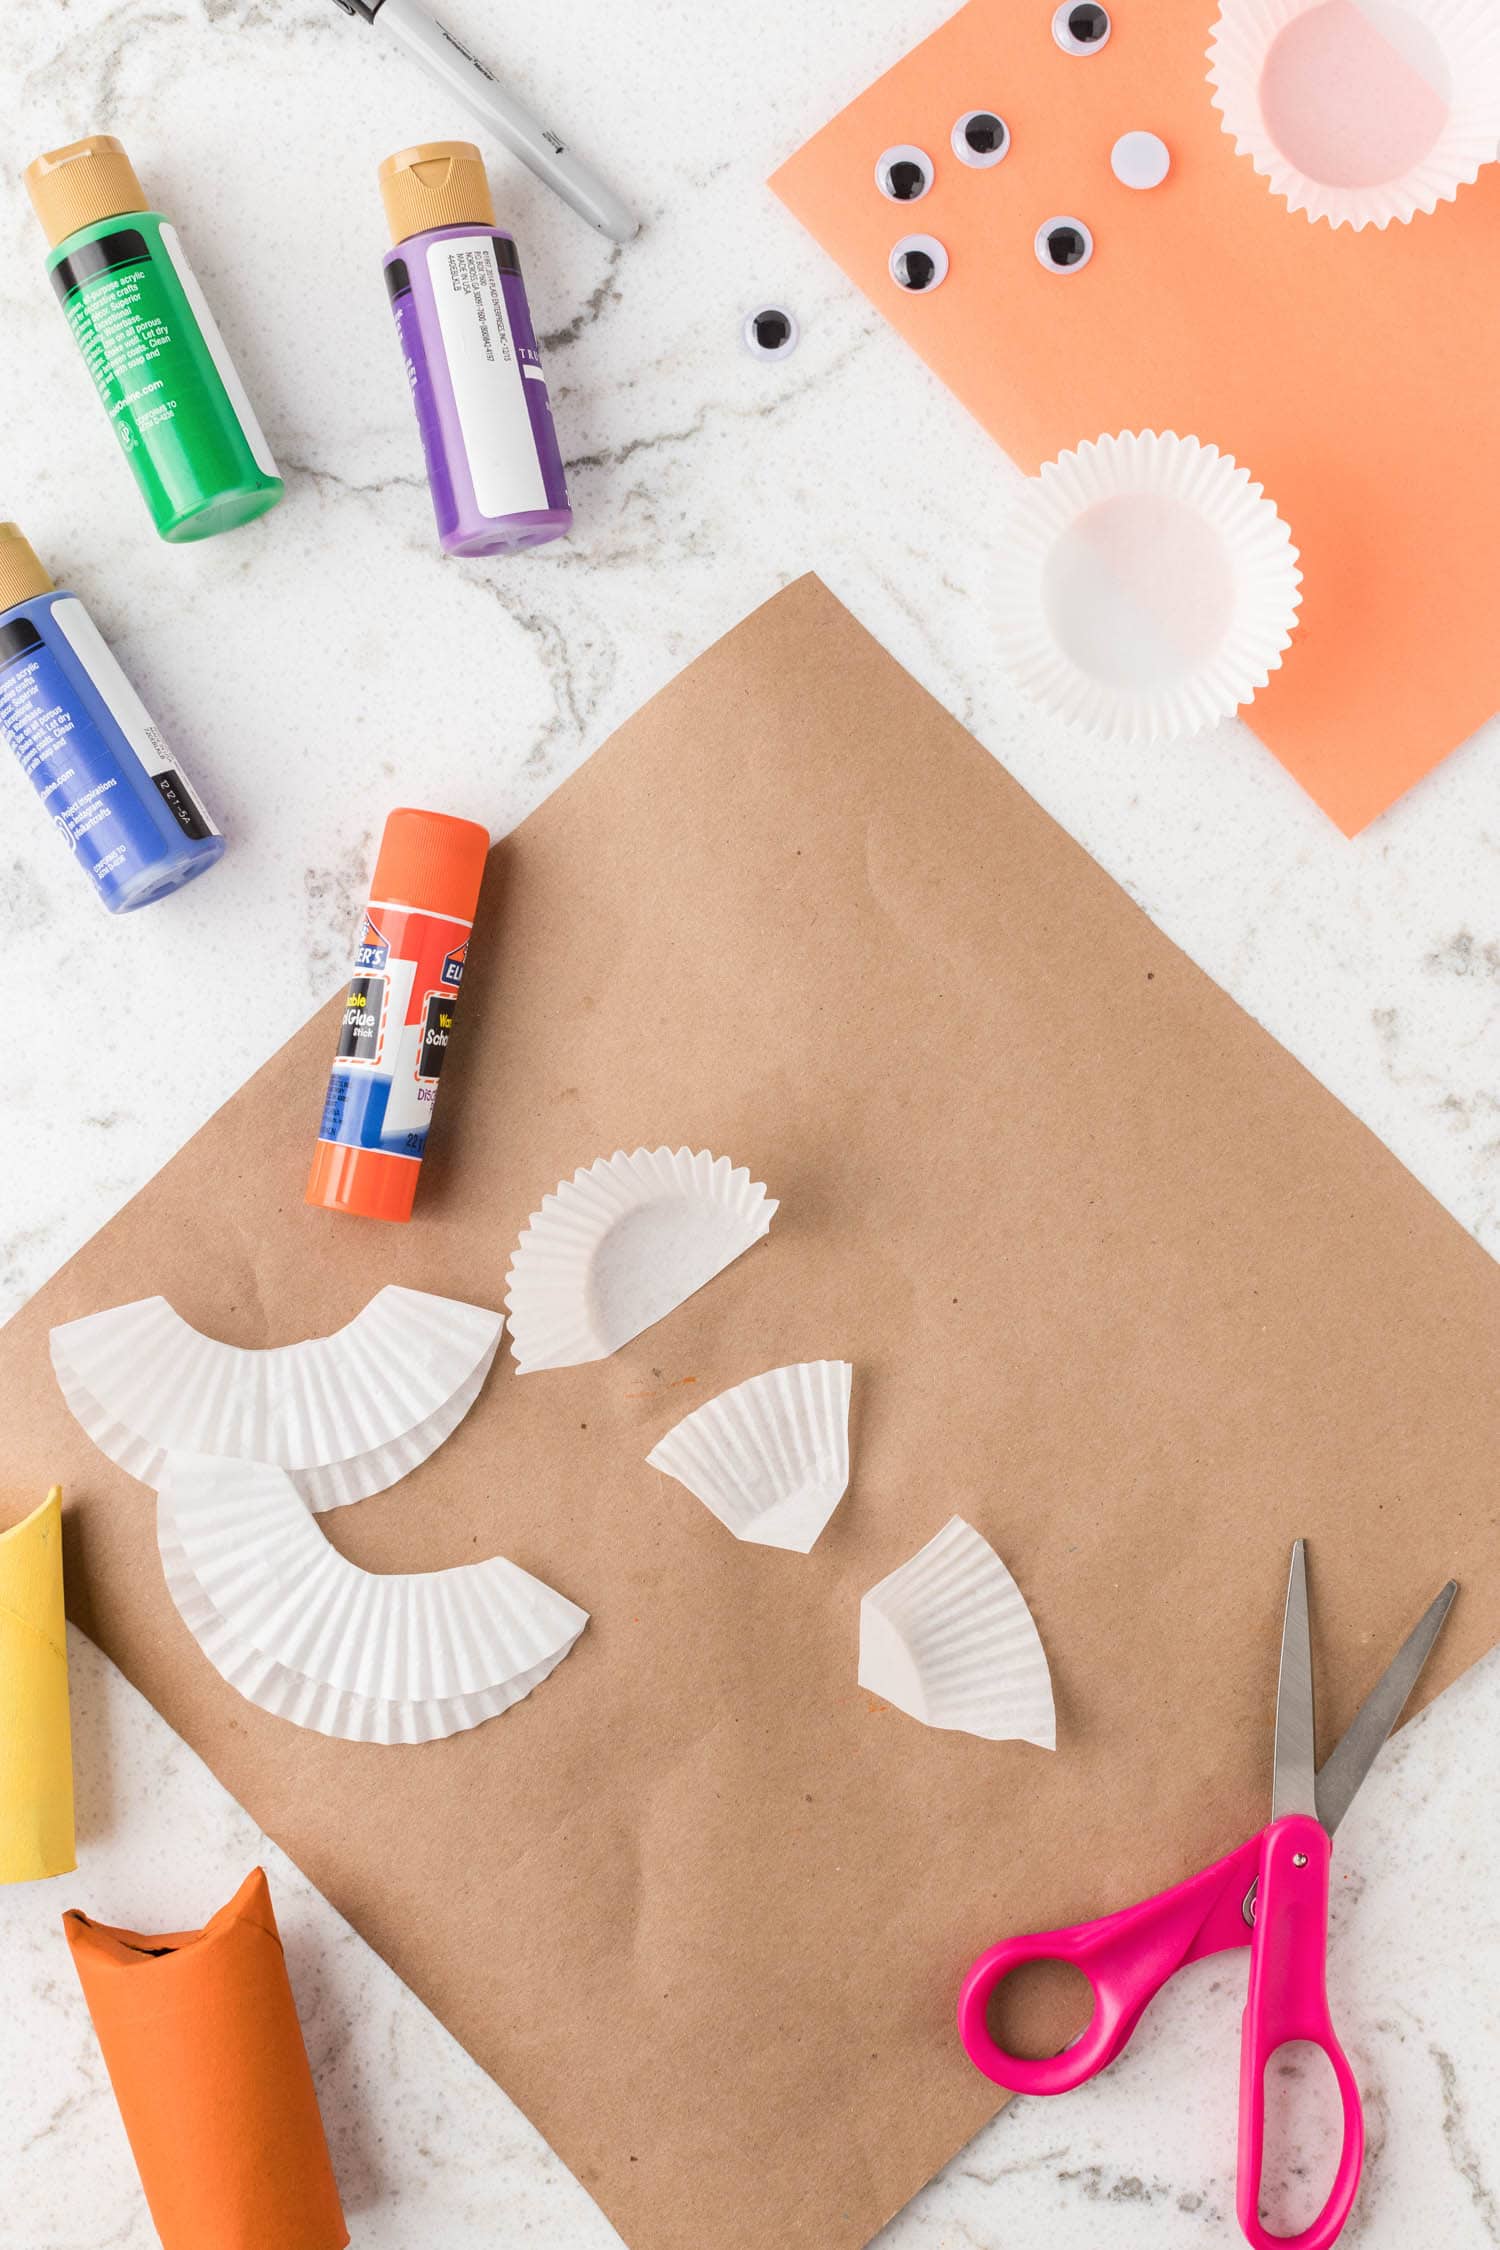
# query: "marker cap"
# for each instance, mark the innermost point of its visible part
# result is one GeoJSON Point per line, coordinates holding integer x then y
{"type": "Point", "coordinates": [22, 576]}
{"type": "Point", "coordinates": [436, 184]}
{"type": "Point", "coordinates": [88, 180]}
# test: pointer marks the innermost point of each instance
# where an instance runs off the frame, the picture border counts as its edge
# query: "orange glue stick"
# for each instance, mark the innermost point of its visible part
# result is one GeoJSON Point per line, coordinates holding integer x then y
{"type": "Point", "coordinates": [398, 1017]}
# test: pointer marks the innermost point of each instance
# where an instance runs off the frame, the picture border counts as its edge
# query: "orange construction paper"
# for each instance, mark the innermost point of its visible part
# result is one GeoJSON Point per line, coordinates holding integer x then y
{"type": "Point", "coordinates": [1351, 373]}
{"type": "Point", "coordinates": [200, 2037]}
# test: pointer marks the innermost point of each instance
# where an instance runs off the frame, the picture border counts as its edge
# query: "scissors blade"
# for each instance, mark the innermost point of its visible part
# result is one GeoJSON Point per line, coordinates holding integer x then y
{"type": "Point", "coordinates": [1350, 1760]}
{"type": "Point", "coordinates": [1293, 1783]}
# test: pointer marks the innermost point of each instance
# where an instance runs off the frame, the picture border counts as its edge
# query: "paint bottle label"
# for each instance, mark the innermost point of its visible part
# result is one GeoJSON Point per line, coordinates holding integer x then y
{"type": "Point", "coordinates": [72, 764]}
{"type": "Point", "coordinates": [164, 376]}
{"type": "Point", "coordinates": [132, 336]}
{"type": "Point", "coordinates": [488, 373]}
{"type": "Point", "coordinates": [398, 1017]}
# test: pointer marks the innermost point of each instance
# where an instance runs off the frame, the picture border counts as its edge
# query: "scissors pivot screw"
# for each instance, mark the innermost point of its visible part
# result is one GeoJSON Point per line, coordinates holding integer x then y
{"type": "Point", "coordinates": [1299, 1859]}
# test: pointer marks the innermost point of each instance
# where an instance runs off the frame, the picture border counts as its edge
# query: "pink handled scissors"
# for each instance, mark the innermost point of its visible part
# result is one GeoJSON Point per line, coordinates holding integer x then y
{"type": "Point", "coordinates": [1271, 1894]}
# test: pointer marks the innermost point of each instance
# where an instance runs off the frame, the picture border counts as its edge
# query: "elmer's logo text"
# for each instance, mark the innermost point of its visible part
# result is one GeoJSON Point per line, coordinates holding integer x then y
{"type": "Point", "coordinates": [372, 952]}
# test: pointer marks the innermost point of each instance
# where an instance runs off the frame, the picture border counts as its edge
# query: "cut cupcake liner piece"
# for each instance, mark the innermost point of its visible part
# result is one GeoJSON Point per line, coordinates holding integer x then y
{"type": "Point", "coordinates": [308, 1635]}
{"type": "Point", "coordinates": [621, 1245]}
{"type": "Point", "coordinates": [771, 1456]}
{"type": "Point", "coordinates": [1146, 587]}
{"type": "Point", "coordinates": [346, 1415]}
{"type": "Point", "coordinates": [949, 1640]}
{"type": "Point", "coordinates": [312, 1704]}
{"type": "Point", "coordinates": [1360, 112]}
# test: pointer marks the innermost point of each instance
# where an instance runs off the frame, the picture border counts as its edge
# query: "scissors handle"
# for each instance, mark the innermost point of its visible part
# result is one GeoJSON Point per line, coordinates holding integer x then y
{"type": "Point", "coordinates": [1288, 2000]}
{"type": "Point", "coordinates": [1126, 1957]}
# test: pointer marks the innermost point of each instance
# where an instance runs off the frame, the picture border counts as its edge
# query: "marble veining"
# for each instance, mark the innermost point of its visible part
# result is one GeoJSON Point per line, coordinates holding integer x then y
{"type": "Point", "coordinates": [326, 663]}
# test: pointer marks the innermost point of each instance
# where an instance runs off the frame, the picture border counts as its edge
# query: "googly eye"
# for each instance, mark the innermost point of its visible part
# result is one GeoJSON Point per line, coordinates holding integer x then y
{"type": "Point", "coordinates": [770, 333]}
{"type": "Point", "coordinates": [904, 174]}
{"type": "Point", "coordinates": [1081, 27]}
{"type": "Point", "coordinates": [919, 263]}
{"type": "Point", "coordinates": [981, 138]}
{"type": "Point", "coordinates": [1064, 245]}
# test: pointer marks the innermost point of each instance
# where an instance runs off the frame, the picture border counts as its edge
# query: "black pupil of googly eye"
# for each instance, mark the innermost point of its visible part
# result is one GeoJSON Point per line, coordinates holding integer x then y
{"type": "Point", "coordinates": [915, 269]}
{"type": "Point", "coordinates": [1088, 23]}
{"type": "Point", "coordinates": [984, 134]}
{"type": "Point", "coordinates": [1065, 246]}
{"type": "Point", "coordinates": [772, 330]}
{"type": "Point", "coordinates": [905, 180]}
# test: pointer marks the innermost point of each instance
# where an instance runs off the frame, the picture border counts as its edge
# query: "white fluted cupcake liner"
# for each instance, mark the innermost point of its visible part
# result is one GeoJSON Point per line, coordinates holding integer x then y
{"type": "Point", "coordinates": [1146, 587]}
{"type": "Point", "coordinates": [299, 1628]}
{"type": "Point", "coordinates": [771, 1456]}
{"type": "Point", "coordinates": [347, 1414]}
{"type": "Point", "coordinates": [948, 1639]}
{"type": "Point", "coordinates": [621, 1245]}
{"type": "Point", "coordinates": [1362, 115]}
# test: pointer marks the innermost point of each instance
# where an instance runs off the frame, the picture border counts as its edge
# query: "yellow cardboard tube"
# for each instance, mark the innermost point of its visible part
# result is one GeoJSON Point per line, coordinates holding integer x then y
{"type": "Point", "coordinates": [36, 1741]}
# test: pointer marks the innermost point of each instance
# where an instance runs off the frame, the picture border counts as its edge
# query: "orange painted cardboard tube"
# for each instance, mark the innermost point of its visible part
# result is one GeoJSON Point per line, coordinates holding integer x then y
{"type": "Point", "coordinates": [201, 2040]}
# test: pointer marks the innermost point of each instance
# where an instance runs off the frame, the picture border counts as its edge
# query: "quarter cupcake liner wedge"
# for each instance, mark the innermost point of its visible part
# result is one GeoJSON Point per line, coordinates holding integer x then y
{"type": "Point", "coordinates": [948, 1639]}
{"type": "Point", "coordinates": [621, 1245]}
{"type": "Point", "coordinates": [771, 1456]}
{"type": "Point", "coordinates": [346, 1414]}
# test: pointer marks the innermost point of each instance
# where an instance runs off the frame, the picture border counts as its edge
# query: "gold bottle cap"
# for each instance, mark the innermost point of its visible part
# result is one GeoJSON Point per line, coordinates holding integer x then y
{"type": "Point", "coordinates": [88, 180]}
{"type": "Point", "coordinates": [438, 184]}
{"type": "Point", "coordinates": [21, 575]}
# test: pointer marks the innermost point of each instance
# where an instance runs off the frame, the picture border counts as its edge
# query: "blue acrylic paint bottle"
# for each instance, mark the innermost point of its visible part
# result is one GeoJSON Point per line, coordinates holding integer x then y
{"type": "Point", "coordinates": [88, 745]}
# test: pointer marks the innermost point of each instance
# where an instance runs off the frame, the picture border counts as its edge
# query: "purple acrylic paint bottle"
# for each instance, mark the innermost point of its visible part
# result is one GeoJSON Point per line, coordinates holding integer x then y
{"type": "Point", "coordinates": [476, 376]}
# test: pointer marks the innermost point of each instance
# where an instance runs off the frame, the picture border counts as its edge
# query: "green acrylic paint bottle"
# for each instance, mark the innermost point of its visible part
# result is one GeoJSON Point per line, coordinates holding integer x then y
{"type": "Point", "coordinates": [151, 344]}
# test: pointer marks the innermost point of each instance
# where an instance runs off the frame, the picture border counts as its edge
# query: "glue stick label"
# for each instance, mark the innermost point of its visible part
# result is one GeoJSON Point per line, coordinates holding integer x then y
{"type": "Point", "coordinates": [393, 1039]}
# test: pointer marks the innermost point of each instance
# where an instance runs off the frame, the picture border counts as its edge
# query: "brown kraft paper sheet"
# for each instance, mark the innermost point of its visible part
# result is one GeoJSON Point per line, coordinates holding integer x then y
{"type": "Point", "coordinates": [1121, 1284]}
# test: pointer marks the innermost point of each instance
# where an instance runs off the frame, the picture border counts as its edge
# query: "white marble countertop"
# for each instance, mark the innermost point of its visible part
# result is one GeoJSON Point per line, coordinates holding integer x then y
{"type": "Point", "coordinates": [326, 664]}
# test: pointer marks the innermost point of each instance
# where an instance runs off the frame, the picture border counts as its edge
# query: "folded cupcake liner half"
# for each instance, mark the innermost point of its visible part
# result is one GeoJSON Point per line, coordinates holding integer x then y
{"type": "Point", "coordinates": [36, 1744]}
{"type": "Point", "coordinates": [948, 1639]}
{"type": "Point", "coordinates": [322, 1709]}
{"type": "Point", "coordinates": [1360, 112]}
{"type": "Point", "coordinates": [200, 2036]}
{"type": "Point", "coordinates": [346, 1415]}
{"type": "Point", "coordinates": [307, 1635]}
{"type": "Point", "coordinates": [622, 1244]}
{"type": "Point", "coordinates": [771, 1456]}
